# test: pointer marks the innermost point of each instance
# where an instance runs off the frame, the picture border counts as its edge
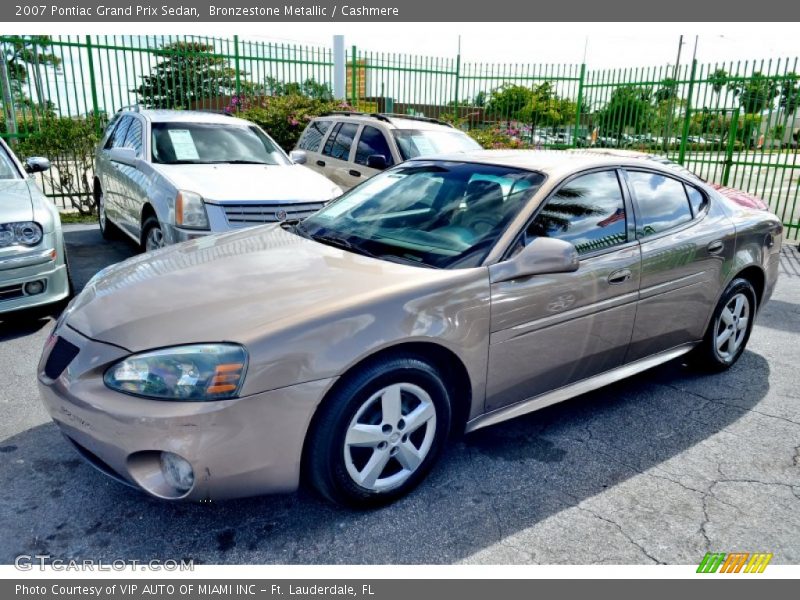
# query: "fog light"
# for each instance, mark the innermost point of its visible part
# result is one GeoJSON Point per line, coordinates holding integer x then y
{"type": "Point", "coordinates": [34, 287]}
{"type": "Point", "coordinates": [177, 472]}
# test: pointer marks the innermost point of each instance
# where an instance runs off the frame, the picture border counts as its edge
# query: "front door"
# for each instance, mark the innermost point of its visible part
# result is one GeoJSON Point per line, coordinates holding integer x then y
{"type": "Point", "coordinates": [552, 330]}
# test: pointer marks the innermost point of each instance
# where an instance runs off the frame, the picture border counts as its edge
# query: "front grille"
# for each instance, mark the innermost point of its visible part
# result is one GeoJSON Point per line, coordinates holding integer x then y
{"type": "Point", "coordinates": [60, 356]}
{"type": "Point", "coordinates": [243, 215]}
{"type": "Point", "coordinates": [9, 292]}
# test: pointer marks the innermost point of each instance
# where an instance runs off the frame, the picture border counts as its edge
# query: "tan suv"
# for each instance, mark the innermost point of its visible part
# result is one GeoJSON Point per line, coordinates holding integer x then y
{"type": "Point", "coordinates": [328, 145]}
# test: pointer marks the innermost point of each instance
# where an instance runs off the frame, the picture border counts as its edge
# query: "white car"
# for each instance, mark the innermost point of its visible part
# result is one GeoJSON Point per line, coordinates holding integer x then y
{"type": "Point", "coordinates": [166, 176]}
{"type": "Point", "coordinates": [33, 260]}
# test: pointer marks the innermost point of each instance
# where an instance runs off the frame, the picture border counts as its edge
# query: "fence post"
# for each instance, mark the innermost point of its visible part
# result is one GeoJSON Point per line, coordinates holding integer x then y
{"type": "Point", "coordinates": [457, 86]}
{"type": "Point", "coordinates": [8, 102]}
{"type": "Point", "coordinates": [92, 82]}
{"type": "Point", "coordinates": [236, 65]}
{"type": "Point", "coordinates": [687, 119]}
{"type": "Point", "coordinates": [353, 76]}
{"type": "Point", "coordinates": [732, 130]}
{"type": "Point", "coordinates": [578, 107]}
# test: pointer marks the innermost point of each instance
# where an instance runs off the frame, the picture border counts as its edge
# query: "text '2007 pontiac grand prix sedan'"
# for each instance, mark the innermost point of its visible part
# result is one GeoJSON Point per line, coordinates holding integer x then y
{"type": "Point", "coordinates": [443, 295]}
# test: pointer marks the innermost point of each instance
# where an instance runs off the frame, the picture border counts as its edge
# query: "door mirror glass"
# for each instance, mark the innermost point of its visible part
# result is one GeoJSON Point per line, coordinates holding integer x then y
{"type": "Point", "coordinates": [126, 156]}
{"type": "Point", "coordinates": [37, 164]}
{"type": "Point", "coordinates": [542, 255]}
{"type": "Point", "coordinates": [377, 161]}
{"type": "Point", "coordinates": [299, 157]}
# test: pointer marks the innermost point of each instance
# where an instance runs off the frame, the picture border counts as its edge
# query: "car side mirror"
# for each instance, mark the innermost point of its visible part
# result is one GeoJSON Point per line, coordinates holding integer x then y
{"type": "Point", "coordinates": [126, 156]}
{"type": "Point", "coordinates": [377, 161]}
{"type": "Point", "coordinates": [541, 256]}
{"type": "Point", "coordinates": [37, 164]}
{"type": "Point", "coordinates": [298, 157]}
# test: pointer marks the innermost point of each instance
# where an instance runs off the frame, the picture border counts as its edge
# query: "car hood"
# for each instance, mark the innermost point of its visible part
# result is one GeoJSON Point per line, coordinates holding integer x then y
{"type": "Point", "coordinates": [250, 183]}
{"type": "Point", "coordinates": [238, 287]}
{"type": "Point", "coordinates": [16, 203]}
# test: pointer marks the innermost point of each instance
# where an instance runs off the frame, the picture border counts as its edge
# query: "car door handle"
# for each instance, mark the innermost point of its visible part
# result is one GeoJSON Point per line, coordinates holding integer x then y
{"type": "Point", "coordinates": [355, 173]}
{"type": "Point", "coordinates": [716, 247]}
{"type": "Point", "coordinates": [320, 163]}
{"type": "Point", "coordinates": [620, 276]}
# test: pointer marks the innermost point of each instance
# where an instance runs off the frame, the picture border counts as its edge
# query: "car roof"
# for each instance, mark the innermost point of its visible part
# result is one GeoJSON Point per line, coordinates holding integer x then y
{"type": "Point", "coordinates": [159, 115]}
{"type": "Point", "coordinates": [550, 162]}
{"type": "Point", "coordinates": [391, 120]}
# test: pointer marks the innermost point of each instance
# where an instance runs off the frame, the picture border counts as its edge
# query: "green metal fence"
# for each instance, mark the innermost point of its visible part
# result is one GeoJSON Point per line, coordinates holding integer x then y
{"type": "Point", "coordinates": [734, 124]}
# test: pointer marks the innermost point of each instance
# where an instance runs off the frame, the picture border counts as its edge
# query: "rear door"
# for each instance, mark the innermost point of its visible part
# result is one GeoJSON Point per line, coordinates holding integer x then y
{"type": "Point", "coordinates": [112, 182]}
{"type": "Point", "coordinates": [133, 183]}
{"type": "Point", "coordinates": [552, 330]}
{"type": "Point", "coordinates": [684, 247]}
{"type": "Point", "coordinates": [337, 153]}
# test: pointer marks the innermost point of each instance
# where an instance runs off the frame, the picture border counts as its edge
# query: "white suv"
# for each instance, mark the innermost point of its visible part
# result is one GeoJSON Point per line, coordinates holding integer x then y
{"type": "Point", "coordinates": [349, 147]}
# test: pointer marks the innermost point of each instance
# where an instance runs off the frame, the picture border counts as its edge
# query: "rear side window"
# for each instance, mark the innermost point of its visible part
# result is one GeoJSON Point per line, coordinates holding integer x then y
{"type": "Point", "coordinates": [133, 139]}
{"type": "Point", "coordinates": [313, 135]}
{"type": "Point", "coordinates": [340, 141]}
{"type": "Point", "coordinates": [371, 142]}
{"type": "Point", "coordinates": [661, 201]}
{"type": "Point", "coordinates": [117, 138]}
{"type": "Point", "coordinates": [696, 199]}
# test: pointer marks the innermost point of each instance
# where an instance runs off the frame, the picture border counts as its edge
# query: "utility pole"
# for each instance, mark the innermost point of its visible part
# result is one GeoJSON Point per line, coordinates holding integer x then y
{"type": "Point", "coordinates": [8, 102]}
{"type": "Point", "coordinates": [339, 68]}
{"type": "Point", "coordinates": [668, 137]}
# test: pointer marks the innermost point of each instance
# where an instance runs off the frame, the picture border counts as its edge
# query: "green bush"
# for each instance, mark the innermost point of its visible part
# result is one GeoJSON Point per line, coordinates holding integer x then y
{"type": "Point", "coordinates": [70, 145]}
{"type": "Point", "coordinates": [285, 117]}
{"type": "Point", "coordinates": [498, 137]}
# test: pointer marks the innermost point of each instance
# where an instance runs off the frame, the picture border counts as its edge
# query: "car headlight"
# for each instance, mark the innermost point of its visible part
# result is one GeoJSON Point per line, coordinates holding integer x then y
{"type": "Point", "coordinates": [25, 233]}
{"type": "Point", "coordinates": [190, 211]}
{"type": "Point", "coordinates": [192, 373]}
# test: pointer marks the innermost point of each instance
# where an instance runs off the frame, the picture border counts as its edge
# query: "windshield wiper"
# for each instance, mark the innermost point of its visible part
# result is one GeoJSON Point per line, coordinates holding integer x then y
{"type": "Point", "coordinates": [340, 242]}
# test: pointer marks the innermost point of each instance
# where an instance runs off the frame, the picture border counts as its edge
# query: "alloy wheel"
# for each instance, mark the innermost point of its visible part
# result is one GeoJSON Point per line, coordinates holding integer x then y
{"type": "Point", "coordinates": [390, 436]}
{"type": "Point", "coordinates": [731, 327]}
{"type": "Point", "coordinates": [154, 240]}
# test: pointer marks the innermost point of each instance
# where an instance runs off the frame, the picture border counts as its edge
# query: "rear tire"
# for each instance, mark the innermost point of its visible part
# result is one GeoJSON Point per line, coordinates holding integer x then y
{"type": "Point", "coordinates": [378, 434]}
{"type": "Point", "coordinates": [730, 327]}
{"type": "Point", "coordinates": [108, 230]}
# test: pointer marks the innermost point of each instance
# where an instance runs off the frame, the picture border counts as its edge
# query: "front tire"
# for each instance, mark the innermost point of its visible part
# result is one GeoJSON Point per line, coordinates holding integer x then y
{"type": "Point", "coordinates": [729, 329]}
{"type": "Point", "coordinates": [152, 235]}
{"type": "Point", "coordinates": [108, 230]}
{"type": "Point", "coordinates": [379, 434]}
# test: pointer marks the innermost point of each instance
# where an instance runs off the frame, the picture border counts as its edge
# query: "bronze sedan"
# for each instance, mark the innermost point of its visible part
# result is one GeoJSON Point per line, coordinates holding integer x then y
{"type": "Point", "coordinates": [440, 296]}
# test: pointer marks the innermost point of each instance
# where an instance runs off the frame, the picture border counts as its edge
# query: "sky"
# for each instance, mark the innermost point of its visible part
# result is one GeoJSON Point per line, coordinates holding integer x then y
{"type": "Point", "coordinates": [606, 45]}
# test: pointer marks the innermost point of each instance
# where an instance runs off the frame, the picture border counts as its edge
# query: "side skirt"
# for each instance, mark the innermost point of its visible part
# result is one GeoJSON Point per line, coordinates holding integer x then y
{"type": "Point", "coordinates": [576, 389]}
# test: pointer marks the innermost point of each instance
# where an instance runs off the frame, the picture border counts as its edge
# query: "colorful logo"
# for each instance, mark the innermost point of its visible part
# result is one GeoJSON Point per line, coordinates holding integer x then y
{"type": "Point", "coordinates": [735, 562]}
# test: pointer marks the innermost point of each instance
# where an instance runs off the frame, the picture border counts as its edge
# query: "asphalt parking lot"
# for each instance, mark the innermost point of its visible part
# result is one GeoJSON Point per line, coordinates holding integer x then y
{"type": "Point", "coordinates": [660, 468]}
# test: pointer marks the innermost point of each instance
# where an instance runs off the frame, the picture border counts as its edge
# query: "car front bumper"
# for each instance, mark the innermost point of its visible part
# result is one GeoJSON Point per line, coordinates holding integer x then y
{"type": "Point", "coordinates": [242, 447]}
{"type": "Point", "coordinates": [38, 265]}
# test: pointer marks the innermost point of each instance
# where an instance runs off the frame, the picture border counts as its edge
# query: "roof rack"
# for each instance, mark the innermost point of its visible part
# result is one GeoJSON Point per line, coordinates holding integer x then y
{"type": "Point", "coordinates": [387, 117]}
{"type": "Point", "coordinates": [137, 107]}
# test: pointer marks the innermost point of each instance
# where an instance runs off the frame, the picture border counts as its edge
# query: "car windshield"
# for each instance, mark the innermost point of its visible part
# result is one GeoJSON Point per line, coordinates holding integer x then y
{"type": "Point", "coordinates": [208, 143]}
{"type": "Point", "coordinates": [429, 213]}
{"type": "Point", "coordinates": [426, 142]}
{"type": "Point", "coordinates": [7, 168]}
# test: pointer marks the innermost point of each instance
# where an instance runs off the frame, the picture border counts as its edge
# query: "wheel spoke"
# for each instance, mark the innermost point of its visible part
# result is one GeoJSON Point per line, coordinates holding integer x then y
{"type": "Point", "coordinates": [737, 309]}
{"type": "Point", "coordinates": [364, 435]}
{"type": "Point", "coordinates": [391, 405]}
{"type": "Point", "coordinates": [408, 456]}
{"type": "Point", "coordinates": [374, 467]}
{"type": "Point", "coordinates": [418, 417]}
{"type": "Point", "coordinates": [727, 316]}
{"type": "Point", "coordinates": [723, 338]}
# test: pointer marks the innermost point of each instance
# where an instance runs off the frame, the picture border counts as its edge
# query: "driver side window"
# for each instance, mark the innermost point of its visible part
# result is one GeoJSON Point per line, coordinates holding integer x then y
{"type": "Point", "coordinates": [588, 211]}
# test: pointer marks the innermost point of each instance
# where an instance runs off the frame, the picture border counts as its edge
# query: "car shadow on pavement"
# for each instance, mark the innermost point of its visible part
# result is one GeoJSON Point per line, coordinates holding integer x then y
{"type": "Point", "coordinates": [491, 485]}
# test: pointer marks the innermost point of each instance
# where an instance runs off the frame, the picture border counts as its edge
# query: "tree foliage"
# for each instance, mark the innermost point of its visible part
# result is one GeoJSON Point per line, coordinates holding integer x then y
{"type": "Point", "coordinates": [186, 72]}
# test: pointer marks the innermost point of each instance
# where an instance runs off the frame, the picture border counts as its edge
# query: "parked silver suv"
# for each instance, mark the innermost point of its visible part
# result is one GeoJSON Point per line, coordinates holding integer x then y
{"type": "Point", "coordinates": [165, 176]}
{"type": "Point", "coordinates": [349, 147]}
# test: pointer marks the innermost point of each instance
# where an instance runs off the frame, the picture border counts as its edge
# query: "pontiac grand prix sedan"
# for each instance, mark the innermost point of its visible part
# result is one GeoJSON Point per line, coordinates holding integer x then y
{"type": "Point", "coordinates": [443, 295]}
